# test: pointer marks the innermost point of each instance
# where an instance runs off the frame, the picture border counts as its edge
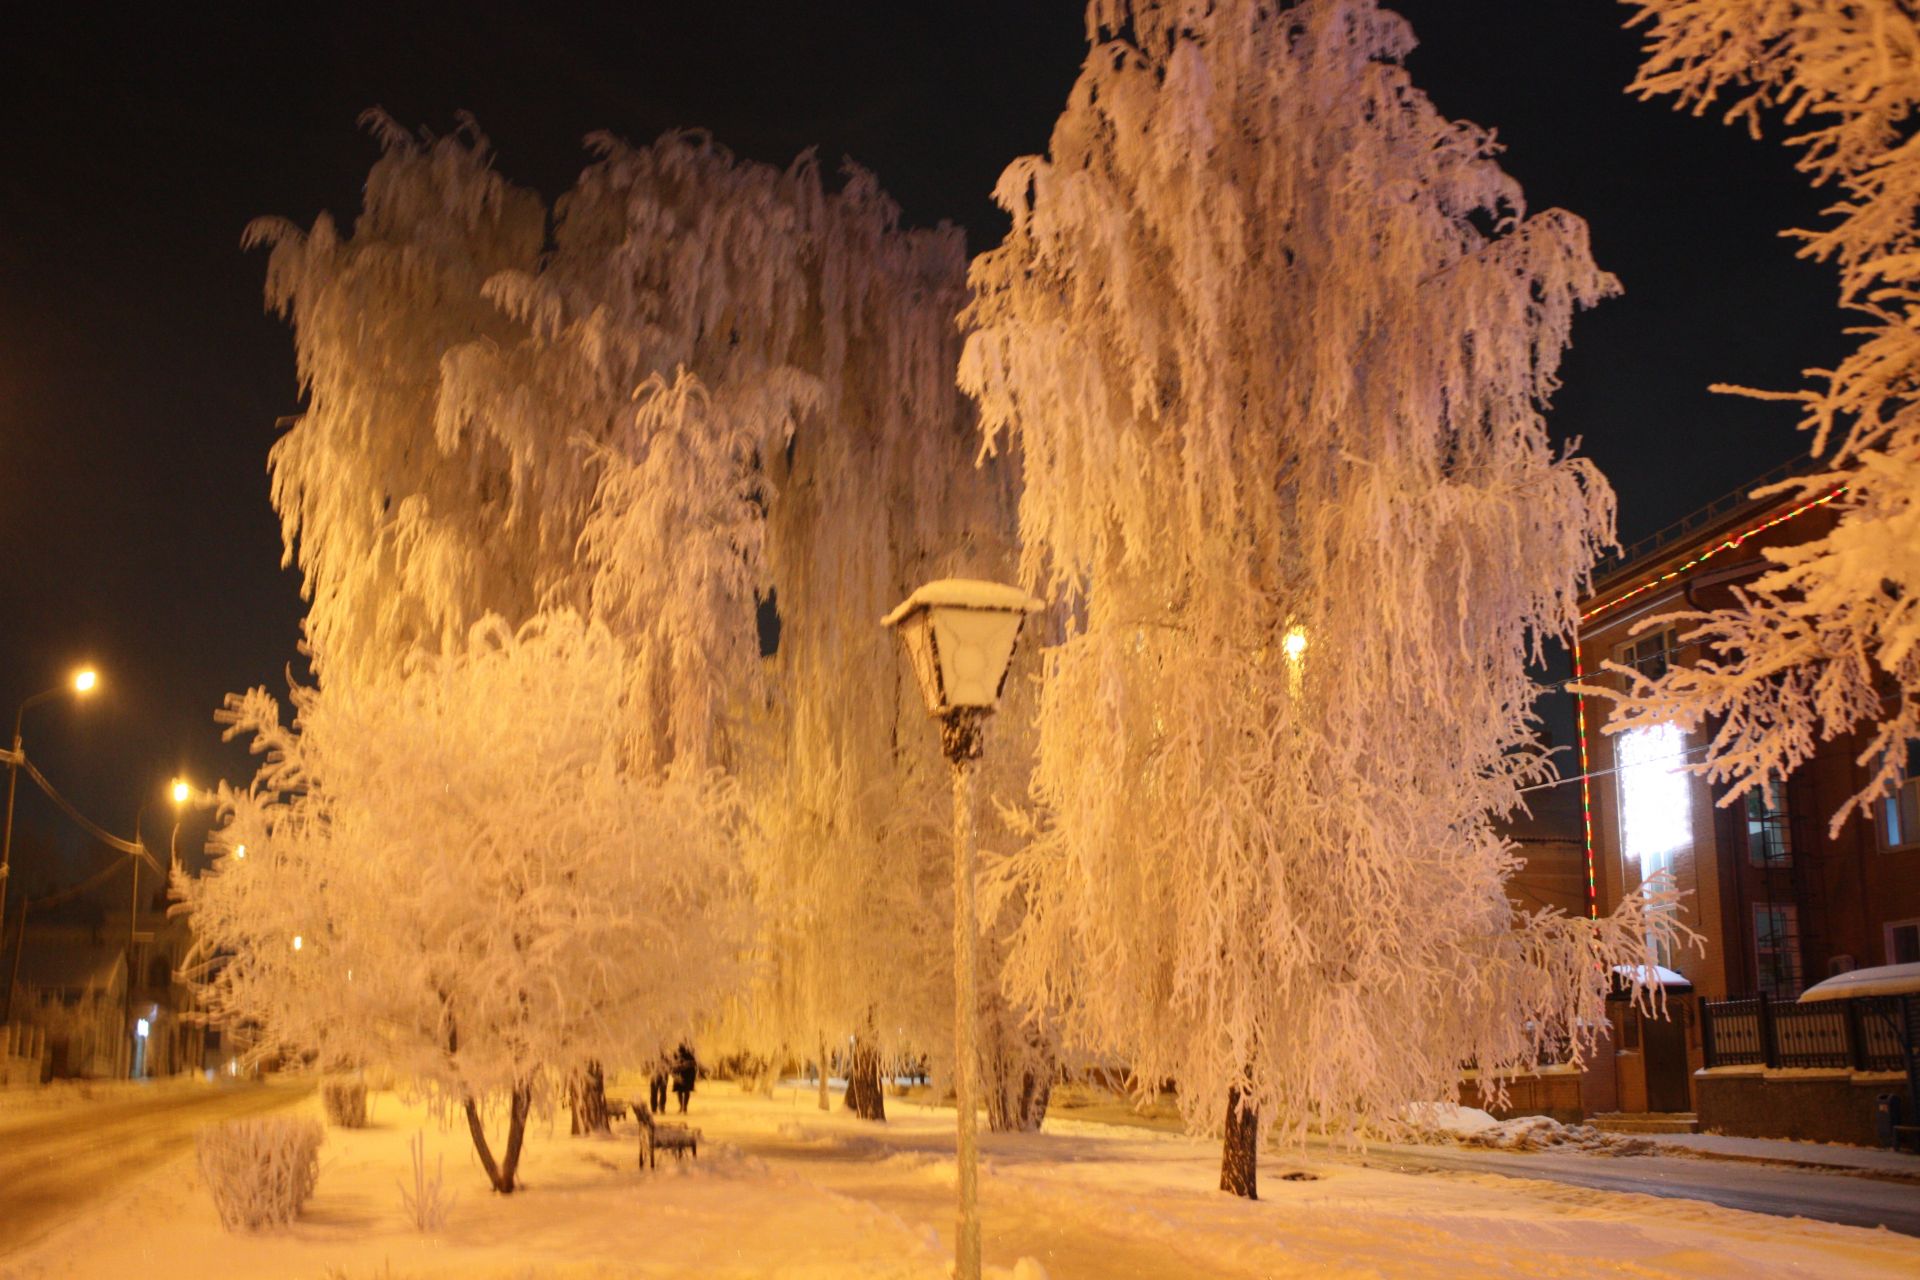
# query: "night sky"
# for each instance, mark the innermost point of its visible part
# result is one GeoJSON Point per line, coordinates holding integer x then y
{"type": "Point", "coordinates": [141, 382]}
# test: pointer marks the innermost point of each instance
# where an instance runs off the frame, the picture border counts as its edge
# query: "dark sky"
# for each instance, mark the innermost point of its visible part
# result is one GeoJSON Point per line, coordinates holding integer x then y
{"type": "Point", "coordinates": [140, 381]}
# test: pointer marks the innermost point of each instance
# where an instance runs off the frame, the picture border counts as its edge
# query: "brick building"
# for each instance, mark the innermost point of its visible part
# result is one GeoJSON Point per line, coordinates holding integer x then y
{"type": "Point", "coordinates": [1780, 900]}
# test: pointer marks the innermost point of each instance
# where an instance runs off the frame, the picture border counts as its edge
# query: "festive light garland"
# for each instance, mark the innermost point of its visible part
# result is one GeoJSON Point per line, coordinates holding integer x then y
{"type": "Point", "coordinates": [1711, 552]}
{"type": "Point", "coordinates": [1579, 671]}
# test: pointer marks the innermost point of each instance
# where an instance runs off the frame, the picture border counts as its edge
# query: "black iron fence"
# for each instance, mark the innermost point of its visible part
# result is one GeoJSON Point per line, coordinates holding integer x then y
{"type": "Point", "coordinates": [1868, 1033]}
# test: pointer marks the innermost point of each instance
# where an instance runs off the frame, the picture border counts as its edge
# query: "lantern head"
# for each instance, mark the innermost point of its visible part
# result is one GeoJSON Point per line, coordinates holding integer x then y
{"type": "Point", "coordinates": [959, 635]}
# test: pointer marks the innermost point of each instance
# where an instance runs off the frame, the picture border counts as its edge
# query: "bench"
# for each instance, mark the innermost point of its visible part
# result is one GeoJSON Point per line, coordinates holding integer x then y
{"type": "Point", "coordinates": [657, 1136]}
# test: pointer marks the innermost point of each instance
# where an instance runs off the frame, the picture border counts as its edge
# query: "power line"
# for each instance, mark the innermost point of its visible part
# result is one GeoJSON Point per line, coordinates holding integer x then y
{"type": "Point", "coordinates": [1604, 773]}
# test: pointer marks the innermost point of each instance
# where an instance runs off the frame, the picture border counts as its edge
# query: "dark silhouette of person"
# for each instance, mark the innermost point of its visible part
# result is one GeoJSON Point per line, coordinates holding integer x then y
{"type": "Point", "coordinates": [657, 1087]}
{"type": "Point", "coordinates": [684, 1071]}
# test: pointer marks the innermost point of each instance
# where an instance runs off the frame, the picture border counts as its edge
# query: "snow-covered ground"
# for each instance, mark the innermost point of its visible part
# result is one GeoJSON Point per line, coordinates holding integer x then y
{"type": "Point", "coordinates": [783, 1190]}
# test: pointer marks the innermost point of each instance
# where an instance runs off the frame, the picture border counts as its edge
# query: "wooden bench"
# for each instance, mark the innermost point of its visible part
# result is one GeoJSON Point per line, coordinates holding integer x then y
{"type": "Point", "coordinates": [658, 1135]}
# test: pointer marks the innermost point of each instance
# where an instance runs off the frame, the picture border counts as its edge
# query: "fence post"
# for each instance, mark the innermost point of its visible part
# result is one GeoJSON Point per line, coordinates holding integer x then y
{"type": "Point", "coordinates": [1709, 1053]}
{"type": "Point", "coordinates": [1769, 1050]}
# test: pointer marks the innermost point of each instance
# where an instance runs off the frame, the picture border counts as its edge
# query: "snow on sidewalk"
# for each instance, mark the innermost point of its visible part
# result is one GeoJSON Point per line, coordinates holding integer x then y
{"type": "Point", "coordinates": [1878, 1161]}
{"type": "Point", "coordinates": [782, 1189]}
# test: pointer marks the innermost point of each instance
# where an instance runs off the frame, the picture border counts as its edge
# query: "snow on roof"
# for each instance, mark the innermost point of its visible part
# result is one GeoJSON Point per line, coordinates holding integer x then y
{"type": "Point", "coordinates": [1662, 976]}
{"type": "Point", "coordinates": [1882, 980]}
{"type": "Point", "coordinates": [967, 593]}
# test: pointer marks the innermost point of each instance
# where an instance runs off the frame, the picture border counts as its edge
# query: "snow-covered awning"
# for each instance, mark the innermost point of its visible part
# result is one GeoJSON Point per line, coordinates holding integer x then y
{"type": "Point", "coordinates": [1882, 980]}
{"type": "Point", "coordinates": [1662, 977]}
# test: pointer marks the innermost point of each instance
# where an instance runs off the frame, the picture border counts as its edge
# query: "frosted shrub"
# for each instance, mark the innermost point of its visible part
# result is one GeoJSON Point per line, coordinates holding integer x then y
{"type": "Point", "coordinates": [346, 1103]}
{"type": "Point", "coordinates": [426, 1203]}
{"type": "Point", "coordinates": [260, 1172]}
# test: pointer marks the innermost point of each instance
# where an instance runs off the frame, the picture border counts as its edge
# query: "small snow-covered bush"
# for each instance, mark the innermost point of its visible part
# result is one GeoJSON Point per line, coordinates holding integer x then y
{"type": "Point", "coordinates": [346, 1103]}
{"type": "Point", "coordinates": [260, 1172]}
{"type": "Point", "coordinates": [426, 1203]}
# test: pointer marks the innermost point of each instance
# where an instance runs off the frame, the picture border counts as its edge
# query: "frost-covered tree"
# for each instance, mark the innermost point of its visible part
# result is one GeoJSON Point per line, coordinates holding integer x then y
{"type": "Point", "coordinates": [495, 428]}
{"type": "Point", "coordinates": [876, 493]}
{"type": "Point", "coordinates": [1274, 338]}
{"type": "Point", "coordinates": [1827, 641]}
{"type": "Point", "coordinates": [721, 381]}
{"type": "Point", "coordinates": [456, 872]}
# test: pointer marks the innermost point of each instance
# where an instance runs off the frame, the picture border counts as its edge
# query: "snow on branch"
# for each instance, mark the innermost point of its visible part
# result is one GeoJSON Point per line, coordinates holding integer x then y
{"type": "Point", "coordinates": [1828, 641]}
{"type": "Point", "coordinates": [453, 871]}
{"type": "Point", "coordinates": [1272, 339]}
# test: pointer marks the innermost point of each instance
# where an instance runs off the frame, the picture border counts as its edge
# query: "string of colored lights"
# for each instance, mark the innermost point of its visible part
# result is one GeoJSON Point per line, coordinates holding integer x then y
{"type": "Point", "coordinates": [1711, 552]}
{"type": "Point", "coordinates": [1579, 671]}
{"type": "Point", "coordinates": [1586, 784]}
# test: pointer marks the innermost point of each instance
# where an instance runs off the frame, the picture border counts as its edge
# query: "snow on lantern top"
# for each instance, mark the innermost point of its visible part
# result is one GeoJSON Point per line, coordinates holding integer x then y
{"type": "Point", "coordinates": [959, 634]}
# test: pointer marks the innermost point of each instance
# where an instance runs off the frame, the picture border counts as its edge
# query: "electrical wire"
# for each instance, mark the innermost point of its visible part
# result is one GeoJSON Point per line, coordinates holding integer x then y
{"type": "Point", "coordinates": [86, 824]}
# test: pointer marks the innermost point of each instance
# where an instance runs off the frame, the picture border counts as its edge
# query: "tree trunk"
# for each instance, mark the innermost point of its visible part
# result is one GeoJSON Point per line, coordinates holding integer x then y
{"type": "Point", "coordinates": [588, 1099]}
{"type": "Point", "coordinates": [1240, 1155]}
{"type": "Point", "coordinates": [1019, 1070]}
{"type": "Point", "coordinates": [824, 1105]}
{"type": "Point", "coordinates": [865, 1098]}
{"type": "Point", "coordinates": [501, 1175]}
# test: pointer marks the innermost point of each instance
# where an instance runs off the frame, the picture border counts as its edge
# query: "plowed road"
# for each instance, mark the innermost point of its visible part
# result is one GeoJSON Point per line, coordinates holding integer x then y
{"type": "Point", "coordinates": [57, 1162]}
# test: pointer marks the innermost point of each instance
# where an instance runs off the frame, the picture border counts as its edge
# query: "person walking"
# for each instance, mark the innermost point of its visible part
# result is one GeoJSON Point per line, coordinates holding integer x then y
{"type": "Point", "coordinates": [684, 1071]}
{"type": "Point", "coordinates": [657, 1087]}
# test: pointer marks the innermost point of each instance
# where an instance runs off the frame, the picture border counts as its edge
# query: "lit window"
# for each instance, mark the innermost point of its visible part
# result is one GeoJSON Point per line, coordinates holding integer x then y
{"type": "Point", "coordinates": [1656, 817]}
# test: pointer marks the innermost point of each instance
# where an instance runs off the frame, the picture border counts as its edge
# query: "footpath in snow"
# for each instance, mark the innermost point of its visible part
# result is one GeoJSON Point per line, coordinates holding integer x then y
{"type": "Point", "coordinates": [782, 1189]}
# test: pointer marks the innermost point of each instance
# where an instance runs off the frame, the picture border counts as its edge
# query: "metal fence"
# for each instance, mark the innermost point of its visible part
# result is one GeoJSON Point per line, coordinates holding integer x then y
{"type": "Point", "coordinates": [1869, 1033]}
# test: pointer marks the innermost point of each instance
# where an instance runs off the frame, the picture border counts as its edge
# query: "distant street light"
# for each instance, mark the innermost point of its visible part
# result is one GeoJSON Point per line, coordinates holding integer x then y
{"type": "Point", "coordinates": [179, 792]}
{"type": "Point", "coordinates": [959, 635]}
{"type": "Point", "coordinates": [82, 682]}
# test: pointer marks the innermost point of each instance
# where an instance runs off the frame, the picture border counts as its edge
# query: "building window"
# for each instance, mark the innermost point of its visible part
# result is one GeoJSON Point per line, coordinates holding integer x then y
{"type": "Point", "coordinates": [1656, 815]}
{"type": "Point", "coordinates": [1648, 655]}
{"type": "Point", "coordinates": [1899, 813]}
{"type": "Point", "coordinates": [1903, 942]}
{"type": "Point", "coordinates": [1776, 945]}
{"type": "Point", "coordinates": [1767, 842]}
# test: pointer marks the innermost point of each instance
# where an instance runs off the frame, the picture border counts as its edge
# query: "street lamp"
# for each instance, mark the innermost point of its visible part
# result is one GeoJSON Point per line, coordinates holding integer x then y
{"type": "Point", "coordinates": [179, 792]}
{"type": "Point", "coordinates": [959, 635]}
{"type": "Point", "coordinates": [82, 682]}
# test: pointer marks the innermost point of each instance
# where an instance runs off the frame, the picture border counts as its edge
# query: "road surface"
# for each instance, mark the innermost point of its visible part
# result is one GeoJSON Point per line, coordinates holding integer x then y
{"type": "Point", "coordinates": [57, 1162]}
{"type": "Point", "coordinates": [1758, 1188]}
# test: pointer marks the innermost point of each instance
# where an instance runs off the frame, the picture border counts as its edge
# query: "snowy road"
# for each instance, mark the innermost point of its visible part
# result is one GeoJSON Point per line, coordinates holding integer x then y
{"type": "Point", "coordinates": [1757, 1188]}
{"type": "Point", "coordinates": [57, 1162]}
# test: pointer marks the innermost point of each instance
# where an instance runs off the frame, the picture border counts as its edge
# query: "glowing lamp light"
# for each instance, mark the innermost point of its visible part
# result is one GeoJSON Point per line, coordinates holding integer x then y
{"type": "Point", "coordinates": [1294, 644]}
{"type": "Point", "coordinates": [181, 792]}
{"type": "Point", "coordinates": [85, 679]}
{"type": "Point", "coordinates": [140, 1028]}
{"type": "Point", "coordinates": [298, 942]}
{"type": "Point", "coordinates": [1656, 818]}
{"type": "Point", "coordinates": [959, 635]}
{"type": "Point", "coordinates": [239, 851]}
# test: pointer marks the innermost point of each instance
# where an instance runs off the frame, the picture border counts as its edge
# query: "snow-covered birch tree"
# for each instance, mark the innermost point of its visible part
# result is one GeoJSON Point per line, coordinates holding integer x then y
{"type": "Point", "coordinates": [723, 380]}
{"type": "Point", "coordinates": [1828, 641]}
{"type": "Point", "coordinates": [876, 492]}
{"type": "Point", "coordinates": [454, 870]}
{"type": "Point", "coordinates": [1274, 338]}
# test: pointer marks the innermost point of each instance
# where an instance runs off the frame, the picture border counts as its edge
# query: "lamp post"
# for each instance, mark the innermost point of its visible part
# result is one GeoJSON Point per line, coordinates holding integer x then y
{"type": "Point", "coordinates": [83, 682]}
{"type": "Point", "coordinates": [959, 635]}
{"type": "Point", "coordinates": [178, 792]}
